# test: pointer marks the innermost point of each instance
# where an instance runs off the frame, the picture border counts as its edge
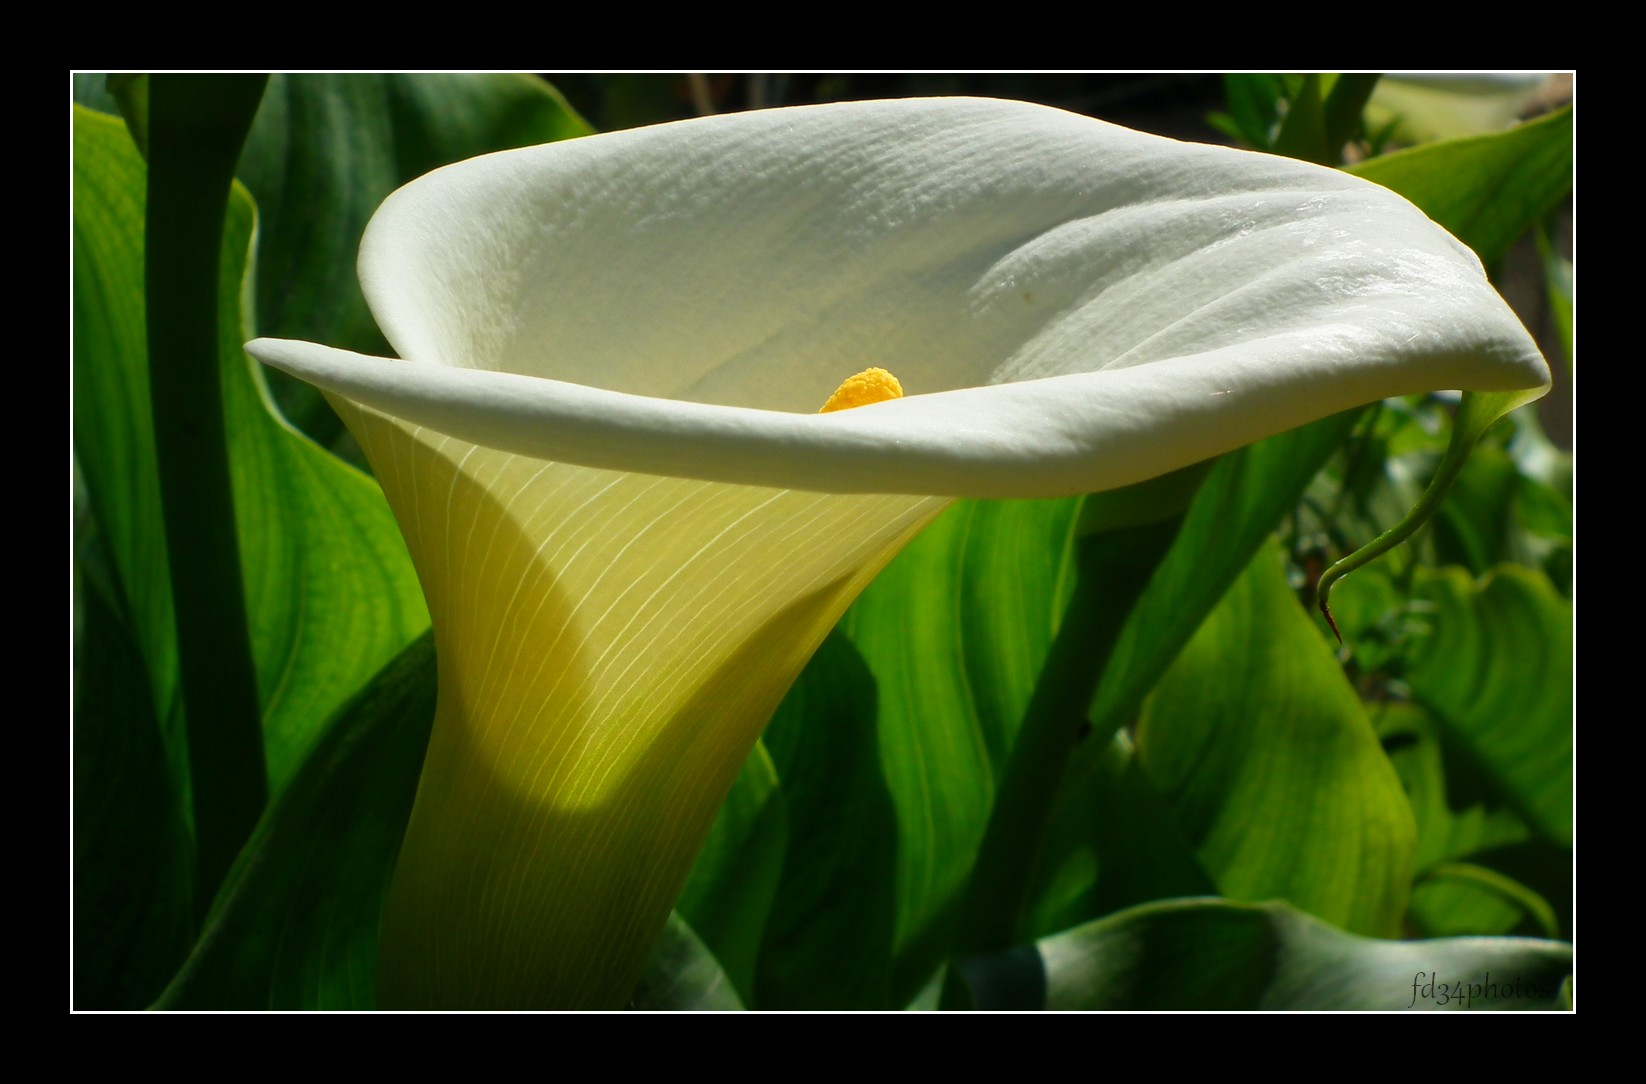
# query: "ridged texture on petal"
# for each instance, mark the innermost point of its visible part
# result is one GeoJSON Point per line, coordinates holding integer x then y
{"type": "Point", "coordinates": [610, 646]}
{"type": "Point", "coordinates": [1070, 305]}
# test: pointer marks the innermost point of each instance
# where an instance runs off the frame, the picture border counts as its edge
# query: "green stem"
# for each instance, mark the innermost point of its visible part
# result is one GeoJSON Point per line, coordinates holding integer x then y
{"type": "Point", "coordinates": [1344, 105]}
{"type": "Point", "coordinates": [197, 125]}
{"type": "Point", "coordinates": [1114, 567]}
{"type": "Point", "coordinates": [1477, 413]}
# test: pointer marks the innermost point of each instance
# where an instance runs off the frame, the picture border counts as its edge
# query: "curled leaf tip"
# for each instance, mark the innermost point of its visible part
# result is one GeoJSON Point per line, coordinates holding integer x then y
{"type": "Point", "coordinates": [1321, 594]}
{"type": "Point", "coordinates": [868, 386]}
{"type": "Point", "coordinates": [1477, 412]}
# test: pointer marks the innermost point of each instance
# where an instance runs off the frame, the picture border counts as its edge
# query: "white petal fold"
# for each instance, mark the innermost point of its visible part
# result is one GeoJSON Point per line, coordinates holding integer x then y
{"type": "Point", "coordinates": [1070, 305]}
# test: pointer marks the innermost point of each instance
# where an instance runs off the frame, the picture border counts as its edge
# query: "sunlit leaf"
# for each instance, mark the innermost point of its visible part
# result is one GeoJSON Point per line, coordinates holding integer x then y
{"type": "Point", "coordinates": [954, 633]}
{"type": "Point", "coordinates": [1236, 509]}
{"type": "Point", "coordinates": [1486, 190]}
{"type": "Point", "coordinates": [1270, 765]}
{"type": "Point", "coordinates": [331, 593]}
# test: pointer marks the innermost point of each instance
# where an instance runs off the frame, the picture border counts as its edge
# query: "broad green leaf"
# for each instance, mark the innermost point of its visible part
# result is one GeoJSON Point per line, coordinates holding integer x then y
{"type": "Point", "coordinates": [954, 632]}
{"type": "Point", "coordinates": [1480, 869]}
{"type": "Point", "coordinates": [295, 926]}
{"type": "Point", "coordinates": [1270, 765]}
{"type": "Point", "coordinates": [1456, 814]}
{"type": "Point", "coordinates": [1113, 843]}
{"type": "Point", "coordinates": [1111, 568]}
{"type": "Point", "coordinates": [325, 151]}
{"type": "Point", "coordinates": [1535, 874]}
{"type": "Point", "coordinates": [113, 435]}
{"type": "Point", "coordinates": [828, 940]}
{"type": "Point", "coordinates": [1497, 676]}
{"type": "Point", "coordinates": [1236, 509]}
{"type": "Point", "coordinates": [1463, 898]}
{"type": "Point", "coordinates": [330, 590]}
{"type": "Point", "coordinates": [1487, 190]}
{"type": "Point", "coordinates": [1211, 954]}
{"type": "Point", "coordinates": [684, 975]}
{"type": "Point", "coordinates": [732, 885]}
{"type": "Point", "coordinates": [133, 851]}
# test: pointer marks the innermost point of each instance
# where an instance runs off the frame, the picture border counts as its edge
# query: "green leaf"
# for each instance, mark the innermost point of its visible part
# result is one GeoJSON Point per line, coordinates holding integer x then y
{"type": "Point", "coordinates": [1112, 568]}
{"type": "Point", "coordinates": [1473, 528]}
{"type": "Point", "coordinates": [952, 635]}
{"type": "Point", "coordinates": [1557, 278]}
{"type": "Point", "coordinates": [735, 879]}
{"type": "Point", "coordinates": [1465, 898]}
{"type": "Point", "coordinates": [113, 433]}
{"type": "Point", "coordinates": [1237, 508]}
{"type": "Point", "coordinates": [295, 926]}
{"type": "Point", "coordinates": [828, 940]}
{"type": "Point", "coordinates": [1345, 102]}
{"type": "Point", "coordinates": [1497, 676]}
{"type": "Point", "coordinates": [683, 975]}
{"type": "Point", "coordinates": [1322, 115]}
{"type": "Point", "coordinates": [194, 128]}
{"type": "Point", "coordinates": [1218, 955]}
{"type": "Point", "coordinates": [1254, 106]}
{"type": "Point", "coordinates": [1113, 843]}
{"type": "Point", "coordinates": [1303, 131]}
{"type": "Point", "coordinates": [326, 574]}
{"type": "Point", "coordinates": [955, 632]}
{"type": "Point", "coordinates": [326, 150]}
{"type": "Point", "coordinates": [130, 92]}
{"type": "Point", "coordinates": [1271, 767]}
{"type": "Point", "coordinates": [1487, 190]}
{"type": "Point", "coordinates": [1500, 511]}
{"type": "Point", "coordinates": [133, 852]}
{"type": "Point", "coordinates": [1462, 824]}
{"type": "Point", "coordinates": [1455, 813]}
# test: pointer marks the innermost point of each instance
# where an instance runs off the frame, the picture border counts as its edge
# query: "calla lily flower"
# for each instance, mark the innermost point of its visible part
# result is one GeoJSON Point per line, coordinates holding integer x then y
{"type": "Point", "coordinates": [603, 444]}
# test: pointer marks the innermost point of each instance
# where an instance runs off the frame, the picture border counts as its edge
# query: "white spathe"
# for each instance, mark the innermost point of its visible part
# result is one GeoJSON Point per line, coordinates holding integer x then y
{"type": "Point", "coordinates": [633, 528]}
{"type": "Point", "coordinates": [1071, 306]}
